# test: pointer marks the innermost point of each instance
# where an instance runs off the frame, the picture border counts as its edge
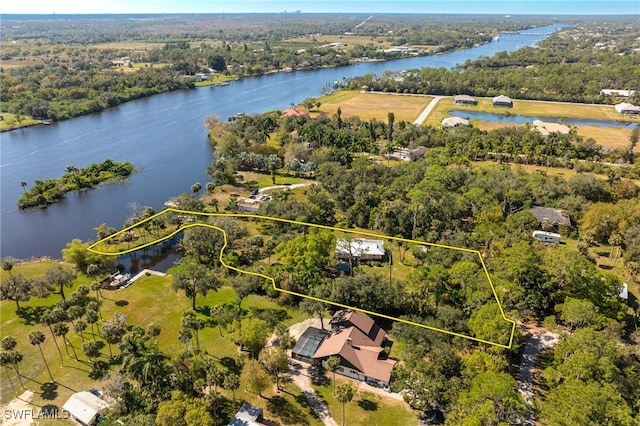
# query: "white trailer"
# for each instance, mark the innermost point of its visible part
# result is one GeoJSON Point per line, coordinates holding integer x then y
{"type": "Point", "coordinates": [546, 237]}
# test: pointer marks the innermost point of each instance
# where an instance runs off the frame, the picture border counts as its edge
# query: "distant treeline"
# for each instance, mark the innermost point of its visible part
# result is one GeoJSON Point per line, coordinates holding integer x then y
{"type": "Point", "coordinates": [49, 191]}
{"type": "Point", "coordinates": [570, 66]}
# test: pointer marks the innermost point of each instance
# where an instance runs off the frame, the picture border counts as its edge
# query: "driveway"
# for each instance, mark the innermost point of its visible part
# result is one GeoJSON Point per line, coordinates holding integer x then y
{"type": "Point", "coordinates": [424, 114]}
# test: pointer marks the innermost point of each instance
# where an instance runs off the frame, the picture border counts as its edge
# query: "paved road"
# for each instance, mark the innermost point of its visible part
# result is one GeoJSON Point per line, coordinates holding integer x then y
{"type": "Point", "coordinates": [424, 114]}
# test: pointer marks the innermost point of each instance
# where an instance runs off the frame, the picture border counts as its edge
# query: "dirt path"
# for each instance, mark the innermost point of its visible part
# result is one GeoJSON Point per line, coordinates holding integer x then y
{"type": "Point", "coordinates": [536, 343]}
{"type": "Point", "coordinates": [301, 376]}
{"type": "Point", "coordinates": [18, 407]}
{"type": "Point", "coordinates": [424, 114]}
{"type": "Point", "coordinates": [295, 185]}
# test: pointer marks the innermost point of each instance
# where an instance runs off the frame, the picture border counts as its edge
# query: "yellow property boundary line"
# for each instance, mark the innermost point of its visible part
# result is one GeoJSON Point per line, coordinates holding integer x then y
{"type": "Point", "coordinates": [92, 248]}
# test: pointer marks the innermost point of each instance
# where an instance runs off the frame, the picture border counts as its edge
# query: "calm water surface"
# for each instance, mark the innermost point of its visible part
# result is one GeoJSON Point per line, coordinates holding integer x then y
{"type": "Point", "coordinates": [164, 136]}
{"type": "Point", "coordinates": [521, 119]}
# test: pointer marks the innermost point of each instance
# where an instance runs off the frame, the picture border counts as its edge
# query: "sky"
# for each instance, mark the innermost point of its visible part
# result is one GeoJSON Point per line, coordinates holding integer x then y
{"type": "Point", "coordinates": [547, 7]}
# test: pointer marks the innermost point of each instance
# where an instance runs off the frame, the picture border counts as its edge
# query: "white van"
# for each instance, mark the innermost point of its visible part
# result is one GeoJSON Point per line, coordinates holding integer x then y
{"type": "Point", "coordinates": [546, 237]}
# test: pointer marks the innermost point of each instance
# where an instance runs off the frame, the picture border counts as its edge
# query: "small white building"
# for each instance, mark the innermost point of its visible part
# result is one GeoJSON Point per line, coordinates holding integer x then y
{"type": "Point", "coordinates": [85, 407]}
{"type": "Point", "coordinates": [360, 249]}
{"type": "Point", "coordinates": [627, 108]}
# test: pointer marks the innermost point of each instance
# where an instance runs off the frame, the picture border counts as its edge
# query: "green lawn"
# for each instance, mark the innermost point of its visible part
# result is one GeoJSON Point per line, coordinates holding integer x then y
{"type": "Point", "coordinates": [367, 408]}
{"type": "Point", "coordinates": [149, 299]}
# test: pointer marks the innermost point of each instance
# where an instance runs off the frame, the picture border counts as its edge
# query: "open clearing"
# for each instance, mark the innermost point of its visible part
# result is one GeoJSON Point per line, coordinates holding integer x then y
{"type": "Point", "coordinates": [374, 105]}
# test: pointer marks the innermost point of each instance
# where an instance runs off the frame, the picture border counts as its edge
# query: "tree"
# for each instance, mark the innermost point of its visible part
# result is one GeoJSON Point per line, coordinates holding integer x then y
{"type": "Point", "coordinates": [232, 382]}
{"type": "Point", "coordinates": [392, 118]}
{"type": "Point", "coordinates": [154, 330]}
{"type": "Point", "coordinates": [16, 288]}
{"type": "Point", "coordinates": [332, 364]}
{"type": "Point", "coordinates": [8, 263]}
{"type": "Point", "coordinates": [61, 329]}
{"type": "Point", "coordinates": [23, 184]}
{"type": "Point", "coordinates": [252, 333]}
{"type": "Point", "coordinates": [196, 187]}
{"type": "Point", "coordinates": [492, 398]}
{"type": "Point", "coordinates": [580, 313]}
{"type": "Point", "coordinates": [6, 361]}
{"type": "Point", "coordinates": [592, 403]}
{"type": "Point", "coordinates": [76, 252]}
{"type": "Point", "coordinates": [36, 337]}
{"type": "Point", "coordinates": [190, 321]}
{"type": "Point", "coordinates": [344, 395]}
{"type": "Point", "coordinates": [15, 358]}
{"type": "Point", "coordinates": [312, 307]}
{"type": "Point", "coordinates": [182, 410]}
{"type": "Point", "coordinates": [195, 279]}
{"type": "Point", "coordinates": [150, 369]}
{"type": "Point", "coordinates": [50, 318]}
{"type": "Point", "coordinates": [59, 277]}
{"type": "Point", "coordinates": [91, 349]}
{"type": "Point", "coordinates": [274, 360]}
{"type": "Point", "coordinates": [103, 231]}
{"type": "Point", "coordinates": [114, 330]}
{"type": "Point", "coordinates": [254, 377]}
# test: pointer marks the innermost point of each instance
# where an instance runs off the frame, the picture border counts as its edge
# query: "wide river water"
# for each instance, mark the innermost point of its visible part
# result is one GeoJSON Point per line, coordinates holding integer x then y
{"type": "Point", "coordinates": [163, 136]}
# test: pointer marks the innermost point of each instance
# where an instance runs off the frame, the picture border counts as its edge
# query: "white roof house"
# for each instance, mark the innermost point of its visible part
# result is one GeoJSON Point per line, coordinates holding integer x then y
{"type": "Point", "coordinates": [360, 248]}
{"type": "Point", "coordinates": [502, 100]}
{"type": "Point", "coordinates": [84, 407]}
{"type": "Point", "coordinates": [627, 108]}
{"type": "Point", "coordinates": [620, 93]}
{"type": "Point", "coordinates": [454, 122]}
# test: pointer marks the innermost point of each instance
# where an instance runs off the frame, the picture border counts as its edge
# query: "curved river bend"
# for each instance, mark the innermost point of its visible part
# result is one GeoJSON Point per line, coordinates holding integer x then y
{"type": "Point", "coordinates": [164, 136]}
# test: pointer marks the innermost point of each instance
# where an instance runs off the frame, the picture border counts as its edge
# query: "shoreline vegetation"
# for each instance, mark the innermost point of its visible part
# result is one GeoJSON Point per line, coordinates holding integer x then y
{"type": "Point", "coordinates": [79, 72]}
{"type": "Point", "coordinates": [49, 191]}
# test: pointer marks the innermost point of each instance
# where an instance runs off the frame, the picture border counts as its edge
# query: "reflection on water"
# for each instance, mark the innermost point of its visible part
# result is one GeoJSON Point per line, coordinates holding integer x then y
{"type": "Point", "coordinates": [521, 119]}
{"type": "Point", "coordinates": [158, 257]}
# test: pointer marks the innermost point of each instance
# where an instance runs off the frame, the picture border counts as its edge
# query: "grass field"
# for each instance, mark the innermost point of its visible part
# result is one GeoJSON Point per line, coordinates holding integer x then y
{"type": "Point", "coordinates": [346, 40]}
{"type": "Point", "coordinates": [366, 408]}
{"type": "Point", "coordinates": [608, 137]}
{"type": "Point", "coordinates": [150, 299]}
{"type": "Point", "coordinates": [374, 105]}
{"type": "Point", "coordinates": [10, 122]}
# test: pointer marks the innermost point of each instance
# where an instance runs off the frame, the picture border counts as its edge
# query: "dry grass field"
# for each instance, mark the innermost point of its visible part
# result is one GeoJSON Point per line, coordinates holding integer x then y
{"type": "Point", "coordinates": [348, 40]}
{"type": "Point", "coordinates": [374, 105]}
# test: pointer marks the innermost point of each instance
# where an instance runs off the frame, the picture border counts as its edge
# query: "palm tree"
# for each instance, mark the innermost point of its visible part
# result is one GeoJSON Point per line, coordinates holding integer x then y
{"type": "Point", "coordinates": [92, 350]}
{"type": "Point", "coordinates": [132, 347]}
{"type": "Point", "coordinates": [23, 184]}
{"type": "Point", "coordinates": [344, 394]}
{"type": "Point", "coordinates": [232, 381]}
{"type": "Point", "coordinates": [36, 337]}
{"type": "Point", "coordinates": [332, 364]}
{"type": "Point", "coordinates": [184, 335]}
{"type": "Point", "coordinates": [6, 361]}
{"type": "Point", "coordinates": [150, 369]}
{"type": "Point", "coordinates": [52, 317]}
{"type": "Point", "coordinates": [15, 358]}
{"type": "Point", "coordinates": [196, 187]}
{"type": "Point", "coordinates": [61, 329]}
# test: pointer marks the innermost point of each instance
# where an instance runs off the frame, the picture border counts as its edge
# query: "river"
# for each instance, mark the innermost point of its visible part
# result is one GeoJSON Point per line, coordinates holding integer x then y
{"type": "Point", "coordinates": [163, 136]}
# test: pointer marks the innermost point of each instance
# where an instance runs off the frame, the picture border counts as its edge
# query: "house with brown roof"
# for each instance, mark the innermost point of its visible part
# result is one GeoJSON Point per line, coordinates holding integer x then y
{"type": "Point", "coordinates": [359, 343]}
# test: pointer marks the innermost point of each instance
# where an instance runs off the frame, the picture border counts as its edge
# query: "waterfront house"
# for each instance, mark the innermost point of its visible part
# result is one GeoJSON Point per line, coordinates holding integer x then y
{"type": "Point", "coordinates": [502, 101]}
{"type": "Point", "coordinates": [627, 109]}
{"type": "Point", "coordinates": [454, 122]}
{"type": "Point", "coordinates": [464, 100]}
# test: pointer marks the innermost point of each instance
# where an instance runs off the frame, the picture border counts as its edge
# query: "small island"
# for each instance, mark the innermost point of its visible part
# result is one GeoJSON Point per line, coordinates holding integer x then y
{"type": "Point", "coordinates": [49, 191]}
